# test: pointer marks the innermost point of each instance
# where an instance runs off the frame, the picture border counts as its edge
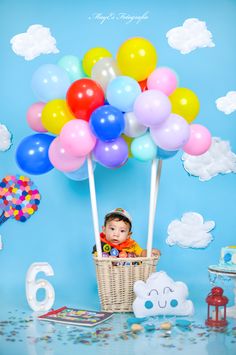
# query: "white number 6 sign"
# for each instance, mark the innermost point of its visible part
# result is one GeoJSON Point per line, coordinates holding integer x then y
{"type": "Point", "coordinates": [32, 286]}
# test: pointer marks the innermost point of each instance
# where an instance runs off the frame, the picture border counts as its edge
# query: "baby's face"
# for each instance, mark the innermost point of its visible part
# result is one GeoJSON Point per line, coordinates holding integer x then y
{"type": "Point", "coordinates": [116, 231]}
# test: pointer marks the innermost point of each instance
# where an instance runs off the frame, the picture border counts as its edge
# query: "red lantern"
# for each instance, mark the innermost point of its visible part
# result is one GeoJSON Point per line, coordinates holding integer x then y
{"type": "Point", "coordinates": [216, 299]}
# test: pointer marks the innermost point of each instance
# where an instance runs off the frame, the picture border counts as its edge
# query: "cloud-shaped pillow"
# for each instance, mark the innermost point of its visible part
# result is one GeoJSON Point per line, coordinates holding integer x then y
{"type": "Point", "coordinates": [227, 104]}
{"type": "Point", "coordinates": [160, 295]}
{"type": "Point", "coordinates": [5, 138]}
{"type": "Point", "coordinates": [190, 232]}
{"type": "Point", "coordinates": [193, 34]}
{"type": "Point", "coordinates": [218, 159]}
{"type": "Point", "coordinates": [35, 41]}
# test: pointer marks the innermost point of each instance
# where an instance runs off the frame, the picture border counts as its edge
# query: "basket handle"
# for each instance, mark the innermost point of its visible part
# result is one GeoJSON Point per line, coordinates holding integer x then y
{"type": "Point", "coordinates": [94, 205]}
{"type": "Point", "coordinates": [154, 188]}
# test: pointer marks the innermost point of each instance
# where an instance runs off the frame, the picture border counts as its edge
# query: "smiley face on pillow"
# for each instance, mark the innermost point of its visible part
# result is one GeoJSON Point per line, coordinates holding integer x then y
{"type": "Point", "coordinates": [160, 295]}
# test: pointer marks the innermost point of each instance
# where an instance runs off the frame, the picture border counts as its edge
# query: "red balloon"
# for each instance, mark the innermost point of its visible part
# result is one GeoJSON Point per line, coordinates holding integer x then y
{"type": "Point", "coordinates": [83, 97]}
{"type": "Point", "coordinates": [143, 84]}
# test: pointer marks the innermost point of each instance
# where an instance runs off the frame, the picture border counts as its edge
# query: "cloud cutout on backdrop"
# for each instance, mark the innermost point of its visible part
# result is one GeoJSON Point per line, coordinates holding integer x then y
{"type": "Point", "coordinates": [227, 104]}
{"type": "Point", "coordinates": [219, 159]}
{"type": "Point", "coordinates": [190, 232]}
{"type": "Point", "coordinates": [160, 295]}
{"type": "Point", "coordinates": [193, 34]}
{"type": "Point", "coordinates": [5, 138]}
{"type": "Point", "coordinates": [35, 41]}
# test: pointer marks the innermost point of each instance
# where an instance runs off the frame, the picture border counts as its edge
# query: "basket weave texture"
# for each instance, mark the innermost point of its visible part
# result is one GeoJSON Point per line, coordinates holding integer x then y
{"type": "Point", "coordinates": [116, 278]}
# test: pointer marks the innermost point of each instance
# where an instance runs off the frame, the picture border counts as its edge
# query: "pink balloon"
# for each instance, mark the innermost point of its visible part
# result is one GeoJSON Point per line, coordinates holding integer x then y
{"type": "Point", "coordinates": [162, 79]}
{"type": "Point", "coordinates": [199, 141]}
{"type": "Point", "coordinates": [152, 107]}
{"type": "Point", "coordinates": [61, 159]}
{"type": "Point", "coordinates": [172, 134]}
{"type": "Point", "coordinates": [33, 117]}
{"type": "Point", "coordinates": [77, 138]}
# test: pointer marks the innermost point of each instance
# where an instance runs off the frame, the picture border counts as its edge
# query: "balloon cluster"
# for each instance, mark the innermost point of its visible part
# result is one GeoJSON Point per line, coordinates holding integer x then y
{"type": "Point", "coordinates": [111, 108]}
{"type": "Point", "coordinates": [19, 198]}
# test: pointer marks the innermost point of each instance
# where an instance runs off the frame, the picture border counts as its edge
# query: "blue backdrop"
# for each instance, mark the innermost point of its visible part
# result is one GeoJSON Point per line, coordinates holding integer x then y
{"type": "Point", "coordinates": [61, 232]}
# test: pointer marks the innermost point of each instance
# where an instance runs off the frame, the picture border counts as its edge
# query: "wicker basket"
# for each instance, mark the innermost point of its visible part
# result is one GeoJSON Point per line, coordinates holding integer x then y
{"type": "Point", "coordinates": [116, 277]}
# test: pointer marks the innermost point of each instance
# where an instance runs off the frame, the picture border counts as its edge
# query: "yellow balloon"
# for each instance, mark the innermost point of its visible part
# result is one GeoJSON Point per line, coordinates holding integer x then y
{"type": "Point", "coordinates": [137, 58]}
{"type": "Point", "coordinates": [185, 103]}
{"type": "Point", "coordinates": [55, 115]}
{"type": "Point", "coordinates": [92, 56]}
{"type": "Point", "coordinates": [128, 141]}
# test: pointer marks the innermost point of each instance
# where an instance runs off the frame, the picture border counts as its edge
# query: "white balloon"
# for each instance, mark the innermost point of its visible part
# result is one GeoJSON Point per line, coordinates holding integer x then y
{"type": "Point", "coordinates": [132, 127]}
{"type": "Point", "coordinates": [104, 71]}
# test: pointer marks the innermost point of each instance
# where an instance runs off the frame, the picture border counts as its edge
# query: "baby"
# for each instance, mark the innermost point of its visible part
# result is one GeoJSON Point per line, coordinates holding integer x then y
{"type": "Point", "coordinates": [116, 236]}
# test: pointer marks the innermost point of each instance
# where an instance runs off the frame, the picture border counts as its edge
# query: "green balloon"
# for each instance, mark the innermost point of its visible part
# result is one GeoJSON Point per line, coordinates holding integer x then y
{"type": "Point", "coordinates": [143, 148]}
{"type": "Point", "coordinates": [73, 66]}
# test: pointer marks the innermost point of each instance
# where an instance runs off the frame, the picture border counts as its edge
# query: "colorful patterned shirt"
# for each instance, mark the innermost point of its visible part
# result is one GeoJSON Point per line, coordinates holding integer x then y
{"type": "Point", "coordinates": [129, 246]}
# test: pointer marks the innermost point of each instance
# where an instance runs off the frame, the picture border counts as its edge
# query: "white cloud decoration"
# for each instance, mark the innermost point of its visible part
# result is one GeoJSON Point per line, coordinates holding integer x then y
{"type": "Point", "coordinates": [193, 34]}
{"type": "Point", "coordinates": [160, 295]}
{"type": "Point", "coordinates": [190, 232]}
{"type": "Point", "coordinates": [227, 104]}
{"type": "Point", "coordinates": [35, 41]}
{"type": "Point", "coordinates": [219, 159]}
{"type": "Point", "coordinates": [5, 138]}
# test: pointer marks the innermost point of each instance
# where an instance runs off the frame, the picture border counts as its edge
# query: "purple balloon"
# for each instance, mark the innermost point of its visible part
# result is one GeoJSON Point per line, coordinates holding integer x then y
{"type": "Point", "coordinates": [172, 134]}
{"type": "Point", "coordinates": [111, 154]}
{"type": "Point", "coordinates": [152, 107]}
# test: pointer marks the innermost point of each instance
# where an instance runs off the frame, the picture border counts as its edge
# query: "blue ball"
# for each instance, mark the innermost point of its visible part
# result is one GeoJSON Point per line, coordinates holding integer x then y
{"type": "Point", "coordinates": [114, 252]}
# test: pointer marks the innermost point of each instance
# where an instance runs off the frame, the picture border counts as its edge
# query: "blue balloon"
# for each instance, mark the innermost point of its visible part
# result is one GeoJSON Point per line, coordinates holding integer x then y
{"type": "Point", "coordinates": [122, 93]}
{"type": "Point", "coordinates": [165, 154]}
{"type": "Point", "coordinates": [81, 173]}
{"type": "Point", "coordinates": [50, 82]}
{"type": "Point", "coordinates": [32, 154]}
{"type": "Point", "coordinates": [107, 123]}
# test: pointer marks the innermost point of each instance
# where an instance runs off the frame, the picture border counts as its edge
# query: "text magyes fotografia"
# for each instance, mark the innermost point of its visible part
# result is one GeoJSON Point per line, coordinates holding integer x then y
{"type": "Point", "coordinates": [121, 16]}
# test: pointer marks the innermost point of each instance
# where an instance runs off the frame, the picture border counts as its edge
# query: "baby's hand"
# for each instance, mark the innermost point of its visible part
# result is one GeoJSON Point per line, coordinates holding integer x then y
{"type": "Point", "coordinates": [156, 252]}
